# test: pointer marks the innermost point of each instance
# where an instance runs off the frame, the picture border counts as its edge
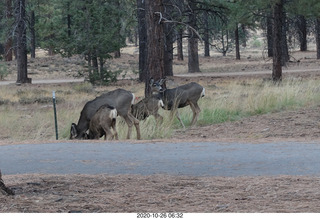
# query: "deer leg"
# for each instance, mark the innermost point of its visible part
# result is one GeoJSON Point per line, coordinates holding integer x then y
{"type": "Point", "coordinates": [129, 123]}
{"type": "Point", "coordinates": [180, 120]}
{"type": "Point", "coordinates": [136, 124]}
{"type": "Point", "coordinates": [115, 133]}
{"type": "Point", "coordinates": [196, 110]}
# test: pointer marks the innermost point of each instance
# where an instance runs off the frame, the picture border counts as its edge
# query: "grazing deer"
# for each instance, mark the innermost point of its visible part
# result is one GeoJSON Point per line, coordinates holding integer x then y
{"type": "Point", "coordinates": [120, 99]}
{"type": "Point", "coordinates": [146, 107]}
{"type": "Point", "coordinates": [179, 97]}
{"type": "Point", "coordinates": [102, 122]}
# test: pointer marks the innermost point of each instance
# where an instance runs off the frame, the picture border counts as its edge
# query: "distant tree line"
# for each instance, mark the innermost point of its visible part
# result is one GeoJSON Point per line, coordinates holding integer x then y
{"type": "Point", "coordinates": [98, 29]}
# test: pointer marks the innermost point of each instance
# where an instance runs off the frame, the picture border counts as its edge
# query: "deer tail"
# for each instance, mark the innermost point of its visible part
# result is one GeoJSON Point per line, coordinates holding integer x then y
{"type": "Point", "coordinates": [203, 93]}
{"type": "Point", "coordinates": [160, 103]}
{"type": "Point", "coordinates": [133, 98]}
{"type": "Point", "coordinates": [113, 114]}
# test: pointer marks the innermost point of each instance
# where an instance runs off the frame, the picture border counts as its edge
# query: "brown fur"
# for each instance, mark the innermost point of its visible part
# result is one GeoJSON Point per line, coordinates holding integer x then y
{"type": "Point", "coordinates": [146, 107]}
{"type": "Point", "coordinates": [102, 122]}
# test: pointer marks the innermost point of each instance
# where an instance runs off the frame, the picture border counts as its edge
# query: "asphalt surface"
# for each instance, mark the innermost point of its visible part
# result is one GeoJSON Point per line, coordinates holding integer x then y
{"type": "Point", "coordinates": [185, 158]}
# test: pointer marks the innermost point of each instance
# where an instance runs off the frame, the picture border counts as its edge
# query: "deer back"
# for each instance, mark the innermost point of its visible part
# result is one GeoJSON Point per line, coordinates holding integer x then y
{"type": "Point", "coordinates": [119, 98]}
{"type": "Point", "coordinates": [182, 96]}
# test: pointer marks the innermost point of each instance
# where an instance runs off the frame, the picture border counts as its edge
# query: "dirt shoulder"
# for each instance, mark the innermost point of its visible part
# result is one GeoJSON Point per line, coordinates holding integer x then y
{"type": "Point", "coordinates": [160, 193]}
{"type": "Point", "coordinates": [295, 125]}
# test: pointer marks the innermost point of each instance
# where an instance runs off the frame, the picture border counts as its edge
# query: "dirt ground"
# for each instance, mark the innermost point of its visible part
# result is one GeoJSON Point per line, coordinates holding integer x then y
{"type": "Point", "coordinates": [164, 193]}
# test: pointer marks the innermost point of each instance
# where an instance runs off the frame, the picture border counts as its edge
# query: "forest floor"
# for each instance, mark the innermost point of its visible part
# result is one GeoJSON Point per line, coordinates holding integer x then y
{"type": "Point", "coordinates": [164, 193]}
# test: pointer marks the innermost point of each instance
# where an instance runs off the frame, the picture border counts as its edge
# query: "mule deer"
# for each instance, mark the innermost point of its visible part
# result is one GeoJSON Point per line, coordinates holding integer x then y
{"type": "Point", "coordinates": [102, 122]}
{"type": "Point", "coordinates": [120, 99]}
{"type": "Point", "coordinates": [146, 107]}
{"type": "Point", "coordinates": [179, 97]}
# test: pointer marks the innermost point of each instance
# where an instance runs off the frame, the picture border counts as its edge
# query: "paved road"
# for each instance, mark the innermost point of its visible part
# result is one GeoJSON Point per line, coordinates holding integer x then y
{"type": "Point", "coordinates": [47, 81]}
{"type": "Point", "coordinates": [196, 158]}
{"type": "Point", "coordinates": [208, 74]}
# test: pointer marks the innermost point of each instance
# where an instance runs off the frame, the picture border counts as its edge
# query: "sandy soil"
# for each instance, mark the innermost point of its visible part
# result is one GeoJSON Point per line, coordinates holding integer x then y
{"type": "Point", "coordinates": [163, 193]}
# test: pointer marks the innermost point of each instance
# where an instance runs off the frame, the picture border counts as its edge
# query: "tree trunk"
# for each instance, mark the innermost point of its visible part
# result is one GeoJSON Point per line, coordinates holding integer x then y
{"type": "Point", "coordinates": [168, 50]}
{"type": "Point", "coordinates": [269, 36]}
{"type": "Point", "coordinates": [302, 32]}
{"type": "Point", "coordinates": [206, 35]}
{"type": "Point", "coordinates": [236, 36]}
{"type": "Point", "coordinates": [318, 37]}
{"type": "Point", "coordinates": [284, 43]}
{"type": "Point", "coordinates": [180, 44]}
{"type": "Point", "coordinates": [8, 44]}
{"type": "Point", "coordinates": [277, 35]}
{"type": "Point", "coordinates": [155, 42]}
{"type": "Point", "coordinates": [142, 40]}
{"type": "Point", "coordinates": [33, 35]}
{"type": "Point", "coordinates": [193, 57]}
{"type": "Point", "coordinates": [169, 39]}
{"type": "Point", "coordinates": [22, 76]}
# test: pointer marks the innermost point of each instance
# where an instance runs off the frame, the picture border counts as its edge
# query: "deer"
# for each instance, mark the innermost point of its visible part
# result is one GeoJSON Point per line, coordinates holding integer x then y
{"type": "Point", "coordinates": [102, 122]}
{"type": "Point", "coordinates": [146, 107]}
{"type": "Point", "coordinates": [179, 97]}
{"type": "Point", "coordinates": [120, 99]}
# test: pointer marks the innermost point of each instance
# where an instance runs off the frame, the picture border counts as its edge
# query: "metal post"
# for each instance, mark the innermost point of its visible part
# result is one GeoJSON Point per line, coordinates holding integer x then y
{"type": "Point", "coordinates": [55, 113]}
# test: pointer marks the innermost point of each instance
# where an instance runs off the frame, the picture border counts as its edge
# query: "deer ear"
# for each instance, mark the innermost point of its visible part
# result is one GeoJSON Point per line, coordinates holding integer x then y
{"type": "Point", "coordinates": [73, 131]}
{"type": "Point", "coordinates": [162, 80]}
{"type": "Point", "coordinates": [151, 81]}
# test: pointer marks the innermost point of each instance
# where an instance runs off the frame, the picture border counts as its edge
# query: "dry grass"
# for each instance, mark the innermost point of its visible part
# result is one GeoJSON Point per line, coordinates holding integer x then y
{"type": "Point", "coordinates": [27, 113]}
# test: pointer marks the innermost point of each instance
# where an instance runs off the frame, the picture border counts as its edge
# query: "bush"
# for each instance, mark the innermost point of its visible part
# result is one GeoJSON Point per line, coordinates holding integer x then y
{"type": "Point", "coordinates": [104, 78]}
{"type": "Point", "coordinates": [3, 71]}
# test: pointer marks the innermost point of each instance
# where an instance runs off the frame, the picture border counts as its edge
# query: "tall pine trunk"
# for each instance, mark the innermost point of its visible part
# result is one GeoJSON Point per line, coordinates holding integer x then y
{"type": "Point", "coordinates": [318, 37]}
{"type": "Point", "coordinates": [22, 76]}
{"type": "Point", "coordinates": [8, 44]}
{"type": "Point", "coordinates": [206, 35]}
{"type": "Point", "coordinates": [277, 35]}
{"type": "Point", "coordinates": [193, 57]}
{"type": "Point", "coordinates": [33, 35]}
{"type": "Point", "coordinates": [302, 32]}
{"type": "Point", "coordinates": [236, 36]}
{"type": "Point", "coordinates": [142, 34]}
{"type": "Point", "coordinates": [179, 44]}
{"type": "Point", "coordinates": [169, 39]}
{"type": "Point", "coordinates": [269, 35]}
{"type": "Point", "coordinates": [155, 42]}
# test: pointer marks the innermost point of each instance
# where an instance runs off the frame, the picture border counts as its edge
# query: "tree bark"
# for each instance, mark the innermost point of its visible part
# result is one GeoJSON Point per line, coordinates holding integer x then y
{"type": "Point", "coordinates": [168, 50]}
{"type": "Point", "coordinates": [8, 44]}
{"type": "Point", "coordinates": [22, 76]}
{"type": "Point", "coordinates": [277, 35]}
{"type": "Point", "coordinates": [284, 43]}
{"type": "Point", "coordinates": [142, 40]}
{"type": "Point", "coordinates": [155, 42]}
{"type": "Point", "coordinates": [193, 57]}
{"type": "Point", "coordinates": [302, 32]}
{"type": "Point", "coordinates": [269, 36]}
{"type": "Point", "coordinates": [318, 37]}
{"type": "Point", "coordinates": [236, 34]}
{"type": "Point", "coordinates": [169, 39]}
{"type": "Point", "coordinates": [179, 44]}
{"type": "Point", "coordinates": [206, 35]}
{"type": "Point", "coordinates": [33, 35]}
